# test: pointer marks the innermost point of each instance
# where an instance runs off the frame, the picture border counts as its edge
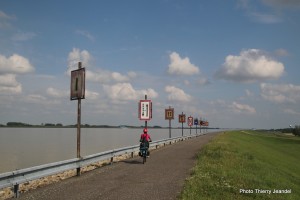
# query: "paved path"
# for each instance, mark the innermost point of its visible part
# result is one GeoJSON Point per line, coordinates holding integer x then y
{"type": "Point", "coordinates": [162, 177]}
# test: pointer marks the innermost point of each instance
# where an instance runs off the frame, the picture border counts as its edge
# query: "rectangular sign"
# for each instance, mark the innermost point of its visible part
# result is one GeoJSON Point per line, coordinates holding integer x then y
{"type": "Point", "coordinates": [204, 123]}
{"type": "Point", "coordinates": [190, 121]}
{"type": "Point", "coordinates": [196, 121]}
{"type": "Point", "coordinates": [169, 113]}
{"type": "Point", "coordinates": [181, 118]}
{"type": "Point", "coordinates": [77, 90]}
{"type": "Point", "coordinates": [145, 110]}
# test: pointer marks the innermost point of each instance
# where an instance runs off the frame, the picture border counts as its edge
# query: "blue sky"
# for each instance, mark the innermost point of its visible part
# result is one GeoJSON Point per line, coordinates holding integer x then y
{"type": "Point", "coordinates": [234, 63]}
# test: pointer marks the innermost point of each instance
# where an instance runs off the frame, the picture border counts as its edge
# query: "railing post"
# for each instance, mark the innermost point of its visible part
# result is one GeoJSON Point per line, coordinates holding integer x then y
{"type": "Point", "coordinates": [16, 191]}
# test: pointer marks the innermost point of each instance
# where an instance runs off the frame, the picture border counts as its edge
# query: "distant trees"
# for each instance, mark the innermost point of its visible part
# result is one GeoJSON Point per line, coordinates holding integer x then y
{"type": "Point", "coordinates": [296, 131]}
{"type": "Point", "coordinates": [21, 124]}
{"type": "Point", "coordinates": [17, 124]}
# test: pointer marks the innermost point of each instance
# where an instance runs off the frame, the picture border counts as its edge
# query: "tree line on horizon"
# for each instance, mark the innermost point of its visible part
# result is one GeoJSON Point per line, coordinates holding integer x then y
{"type": "Point", "coordinates": [60, 125]}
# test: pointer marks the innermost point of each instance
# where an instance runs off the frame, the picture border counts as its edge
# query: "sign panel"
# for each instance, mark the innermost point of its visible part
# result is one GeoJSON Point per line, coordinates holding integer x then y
{"type": "Point", "coordinates": [169, 113]}
{"type": "Point", "coordinates": [196, 121]}
{"type": "Point", "coordinates": [190, 121]}
{"type": "Point", "coordinates": [77, 90]}
{"type": "Point", "coordinates": [181, 118]}
{"type": "Point", "coordinates": [145, 110]}
{"type": "Point", "coordinates": [204, 123]}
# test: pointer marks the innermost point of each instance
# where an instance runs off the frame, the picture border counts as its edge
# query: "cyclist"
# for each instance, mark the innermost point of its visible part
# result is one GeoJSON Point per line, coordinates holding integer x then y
{"type": "Point", "coordinates": [145, 138]}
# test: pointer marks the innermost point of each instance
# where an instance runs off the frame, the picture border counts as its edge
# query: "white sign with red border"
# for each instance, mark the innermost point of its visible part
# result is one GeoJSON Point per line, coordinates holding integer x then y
{"type": "Point", "coordinates": [190, 121]}
{"type": "Point", "coordinates": [145, 110]}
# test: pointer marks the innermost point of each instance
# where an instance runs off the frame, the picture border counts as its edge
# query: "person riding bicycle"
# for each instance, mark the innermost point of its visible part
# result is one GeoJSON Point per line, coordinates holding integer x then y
{"type": "Point", "coordinates": [145, 139]}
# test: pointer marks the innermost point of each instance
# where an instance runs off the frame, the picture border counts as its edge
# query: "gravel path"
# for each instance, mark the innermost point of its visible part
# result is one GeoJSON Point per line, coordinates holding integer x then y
{"type": "Point", "coordinates": [162, 177]}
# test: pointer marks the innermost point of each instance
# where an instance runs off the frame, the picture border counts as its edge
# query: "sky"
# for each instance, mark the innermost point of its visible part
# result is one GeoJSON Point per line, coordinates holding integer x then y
{"type": "Point", "coordinates": [234, 63]}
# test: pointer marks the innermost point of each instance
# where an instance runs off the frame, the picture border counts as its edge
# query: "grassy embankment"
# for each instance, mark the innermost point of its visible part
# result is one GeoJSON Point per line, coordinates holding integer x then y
{"type": "Point", "coordinates": [246, 160]}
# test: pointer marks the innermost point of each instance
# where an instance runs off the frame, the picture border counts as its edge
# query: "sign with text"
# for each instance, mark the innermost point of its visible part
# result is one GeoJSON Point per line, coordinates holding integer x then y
{"type": "Point", "coordinates": [181, 118]}
{"type": "Point", "coordinates": [190, 121]}
{"type": "Point", "coordinates": [145, 110]}
{"type": "Point", "coordinates": [77, 90]}
{"type": "Point", "coordinates": [169, 113]}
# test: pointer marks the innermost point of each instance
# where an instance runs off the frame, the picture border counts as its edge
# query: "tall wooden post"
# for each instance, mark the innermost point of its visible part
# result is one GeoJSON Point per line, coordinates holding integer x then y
{"type": "Point", "coordinates": [146, 125]}
{"type": "Point", "coordinates": [182, 126]}
{"type": "Point", "coordinates": [78, 126]}
{"type": "Point", "coordinates": [170, 134]}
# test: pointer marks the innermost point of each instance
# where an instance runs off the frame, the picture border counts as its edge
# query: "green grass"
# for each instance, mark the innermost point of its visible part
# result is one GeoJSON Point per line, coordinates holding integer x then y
{"type": "Point", "coordinates": [246, 160]}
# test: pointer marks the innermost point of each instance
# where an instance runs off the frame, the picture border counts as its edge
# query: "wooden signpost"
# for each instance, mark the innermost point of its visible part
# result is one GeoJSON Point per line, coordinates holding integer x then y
{"type": "Point", "coordinates": [181, 119]}
{"type": "Point", "coordinates": [77, 92]}
{"type": "Point", "coordinates": [169, 115]}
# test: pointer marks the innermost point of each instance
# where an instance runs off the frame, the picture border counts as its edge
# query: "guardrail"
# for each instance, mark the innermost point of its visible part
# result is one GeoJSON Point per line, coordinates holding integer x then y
{"type": "Point", "coordinates": [17, 177]}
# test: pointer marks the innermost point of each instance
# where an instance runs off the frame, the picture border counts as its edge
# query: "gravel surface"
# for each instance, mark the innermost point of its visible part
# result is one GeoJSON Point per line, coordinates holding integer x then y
{"type": "Point", "coordinates": [161, 177]}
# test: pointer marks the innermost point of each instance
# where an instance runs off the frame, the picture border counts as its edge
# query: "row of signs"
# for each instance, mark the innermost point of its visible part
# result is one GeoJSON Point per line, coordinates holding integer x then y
{"type": "Point", "coordinates": [145, 113]}
{"type": "Point", "coordinates": [77, 91]}
{"type": "Point", "coordinates": [169, 115]}
{"type": "Point", "coordinates": [196, 122]}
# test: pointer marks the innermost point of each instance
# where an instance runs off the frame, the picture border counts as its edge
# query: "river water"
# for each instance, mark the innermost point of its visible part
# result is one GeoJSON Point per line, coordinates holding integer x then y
{"type": "Point", "coordinates": [27, 147]}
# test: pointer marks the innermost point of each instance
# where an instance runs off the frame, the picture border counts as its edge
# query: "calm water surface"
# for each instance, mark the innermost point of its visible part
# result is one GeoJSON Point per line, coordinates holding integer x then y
{"type": "Point", "coordinates": [26, 147]}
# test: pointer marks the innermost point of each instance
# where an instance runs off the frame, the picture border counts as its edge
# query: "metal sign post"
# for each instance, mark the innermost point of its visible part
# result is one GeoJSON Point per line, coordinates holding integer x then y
{"type": "Point", "coordinates": [190, 123]}
{"type": "Point", "coordinates": [196, 123]}
{"type": "Point", "coordinates": [77, 93]}
{"type": "Point", "coordinates": [169, 115]}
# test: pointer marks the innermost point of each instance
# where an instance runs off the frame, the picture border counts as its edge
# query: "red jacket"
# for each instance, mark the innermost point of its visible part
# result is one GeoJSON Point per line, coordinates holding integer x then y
{"type": "Point", "coordinates": [146, 137]}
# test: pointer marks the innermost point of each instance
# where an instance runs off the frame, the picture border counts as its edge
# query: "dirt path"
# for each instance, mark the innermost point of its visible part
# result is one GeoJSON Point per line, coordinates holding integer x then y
{"type": "Point", "coordinates": [162, 177]}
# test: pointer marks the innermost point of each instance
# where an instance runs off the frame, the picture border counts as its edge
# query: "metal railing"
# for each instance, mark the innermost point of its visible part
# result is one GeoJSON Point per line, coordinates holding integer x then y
{"type": "Point", "coordinates": [17, 177]}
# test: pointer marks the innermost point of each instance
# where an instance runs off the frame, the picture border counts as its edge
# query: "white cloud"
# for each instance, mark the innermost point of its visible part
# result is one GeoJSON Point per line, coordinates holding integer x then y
{"type": "Point", "coordinates": [177, 94]}
{"type": "Point", "coordinates": [98, 75]}
{"type": "Point", "coordinates": [250, 66]}
{"type": "Point", "coordinates": [281, 52]}
{"type": "Point", "coordinates": [242, 108]}
{"type": "Point", "coordinates": [265, 18]}
{"type": "Point", "coordinates": [254, 13]}
{"type": "Point", "coordinates": [291, 111]}
{"type": "Point", "coordinates": [280, 93]}
{"type": "Point", "coordinates": [23, 36]}
{"type": "Point", "coordinates": [203, 81]}
{"type": "Point", "coordinates": [56, 93]}
{"type": "Point", "coordinates": [181, 66]}
{"type": "Point", "coordinates": [105, 76]}
{"type": "Point", "coordinates": [119, 77]}
{"type": "Point", "coordinates": [125, 92]}
{"type": "Point", "coordinates": [4, 20]}
{"type": "Point", "coordinates": [9, 68]}
{"type": "Point", "coordinates": [282, 3]}
{"type": "Point", "coordinates": [76, 56]}
{"type": "Point", "coordinates": [9, 84]}
{"type": "Point", "coordinates": [131, 74]}
{"type": "Point", "coordinates": [8, 80]}
{"type": "Point", "coordinates": [3, 15]}
{"type": "Point", "coordinates": [15, 64]}
{"type": "Point", "coordinates": [90, 95]}
{"type": "Point", "coordinates": [85, 34]}
{"type": "Point", "coordinates": [249, 93]}
{"type": "Point", "coordinates": [35, 98]}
